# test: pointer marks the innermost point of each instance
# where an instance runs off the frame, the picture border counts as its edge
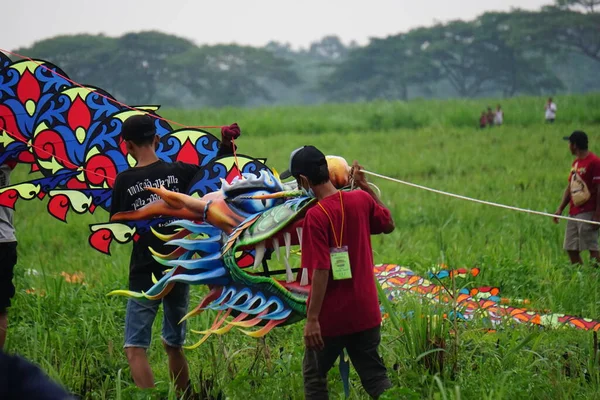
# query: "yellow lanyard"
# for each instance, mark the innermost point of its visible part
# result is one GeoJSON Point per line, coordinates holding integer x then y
{"type": "Point", "coordinates": [338, 244]}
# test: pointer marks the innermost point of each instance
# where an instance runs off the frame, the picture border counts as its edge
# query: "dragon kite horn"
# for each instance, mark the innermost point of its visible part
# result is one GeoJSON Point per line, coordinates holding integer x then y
{"type": "Point", "coordinates": [173, 199]}
{"type": "Point", "coordinates": [211, 208]}
{"type": "Point", "coordinates": [173, 204]}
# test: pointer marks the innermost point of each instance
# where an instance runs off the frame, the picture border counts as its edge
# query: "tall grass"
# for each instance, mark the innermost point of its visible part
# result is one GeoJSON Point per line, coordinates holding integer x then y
{"type": "Point", "coordinates": [75, 332]}
{"type": "Point", "coordinates": [382, 116]}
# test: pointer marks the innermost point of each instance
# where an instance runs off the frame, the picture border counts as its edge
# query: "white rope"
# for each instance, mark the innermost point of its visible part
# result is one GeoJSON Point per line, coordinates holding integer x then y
{"type": "Point", "coordinates": [480, 201]}
{"type": "Point", "coordinates": [375, 186]}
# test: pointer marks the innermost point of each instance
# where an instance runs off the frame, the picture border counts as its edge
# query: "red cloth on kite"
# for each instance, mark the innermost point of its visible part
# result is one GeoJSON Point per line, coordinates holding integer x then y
{"type": "Point", "coordinates": [231, 132]}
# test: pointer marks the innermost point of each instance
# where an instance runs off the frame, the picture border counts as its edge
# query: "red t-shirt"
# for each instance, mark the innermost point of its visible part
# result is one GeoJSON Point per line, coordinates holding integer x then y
{"type": "Point", "coordinates": [589, 170]}
{"type": "Point", "coordinates": [350, 305]}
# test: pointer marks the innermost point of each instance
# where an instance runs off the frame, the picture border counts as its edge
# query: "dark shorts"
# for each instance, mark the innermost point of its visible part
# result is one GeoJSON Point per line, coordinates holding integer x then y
{"type": "Point", "coordinates": [8, 259]}
{"type": "Point", "coordinates": [362, 348]}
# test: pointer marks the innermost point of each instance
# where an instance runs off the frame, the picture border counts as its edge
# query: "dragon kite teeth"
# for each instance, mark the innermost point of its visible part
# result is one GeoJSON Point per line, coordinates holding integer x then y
{"type": "Point", "coordinates": [287, 237]}
{"type": "Point", "coordinates": [276, 248]}
{"type": "Point", "coordinates": [259, 254]}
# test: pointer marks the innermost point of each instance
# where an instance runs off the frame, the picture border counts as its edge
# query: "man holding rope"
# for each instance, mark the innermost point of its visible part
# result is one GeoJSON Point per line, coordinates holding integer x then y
{"type": "Point", "coordinates": [582, 196]}
{"type": "Point", "coordinates": [343, 307]}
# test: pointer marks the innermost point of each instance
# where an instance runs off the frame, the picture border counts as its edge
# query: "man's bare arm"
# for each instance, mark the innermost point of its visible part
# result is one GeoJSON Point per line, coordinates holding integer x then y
{"type": "Point", "coordinates": [565, 200]}
{"type": "Point", "coordinates": [318, 288]}
{"type": "Point", "coordinates": [563, 203]}
{"type": "Point", "coordinates": [361, 182]}
{"type": "Point", "coordinates": [312, 330]}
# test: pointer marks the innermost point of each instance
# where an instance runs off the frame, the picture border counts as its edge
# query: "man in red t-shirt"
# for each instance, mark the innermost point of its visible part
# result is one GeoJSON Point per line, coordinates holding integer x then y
{"type": "Point", "coordinates": [343, 307]}
{"type": "Point", "coordinates": [582, 195]}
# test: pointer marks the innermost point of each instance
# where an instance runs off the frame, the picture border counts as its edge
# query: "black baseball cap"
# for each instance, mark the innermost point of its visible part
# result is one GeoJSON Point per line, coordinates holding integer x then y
{"type": "Point", "coordinates": [138, 127]}
{"type": "Point", "coordinates": [579, 139]}
{"type": "Point", "coordinates": [307, 161]}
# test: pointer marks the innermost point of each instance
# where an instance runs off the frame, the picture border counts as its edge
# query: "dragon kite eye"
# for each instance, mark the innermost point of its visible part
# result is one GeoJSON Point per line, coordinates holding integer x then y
{"type": "Point", "coordinates": [246, 203]}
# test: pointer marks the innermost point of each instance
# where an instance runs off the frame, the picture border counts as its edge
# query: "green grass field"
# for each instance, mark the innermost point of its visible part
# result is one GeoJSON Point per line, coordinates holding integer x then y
{"type": "Point", "coordinates": [75, 332]}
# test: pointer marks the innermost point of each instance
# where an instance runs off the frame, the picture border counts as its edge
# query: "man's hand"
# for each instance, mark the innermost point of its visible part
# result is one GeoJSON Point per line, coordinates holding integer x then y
{"type": "Point", "coordinates": [558, 212]}
{"type": "Point", "coordinates": [312, 335]}
{"type": "Point", "coordinates": [358, 176]}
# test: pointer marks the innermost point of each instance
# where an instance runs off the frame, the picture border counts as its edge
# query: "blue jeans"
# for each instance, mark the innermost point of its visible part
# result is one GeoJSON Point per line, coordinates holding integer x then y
{"type": "Point", "coordinates": [141, 314]}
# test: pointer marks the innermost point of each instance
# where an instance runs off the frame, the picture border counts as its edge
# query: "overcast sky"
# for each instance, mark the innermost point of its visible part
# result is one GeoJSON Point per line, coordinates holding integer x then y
{"type": "Point", "coordinates": [252, 22]}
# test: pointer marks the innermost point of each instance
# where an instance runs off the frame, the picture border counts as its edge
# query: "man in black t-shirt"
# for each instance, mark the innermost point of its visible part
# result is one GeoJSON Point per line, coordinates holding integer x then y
{"type": "Point", "coordinates": [139, 134]}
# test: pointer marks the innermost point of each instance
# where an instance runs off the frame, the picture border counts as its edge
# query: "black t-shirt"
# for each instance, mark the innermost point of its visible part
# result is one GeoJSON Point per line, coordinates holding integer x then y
{"type": "Point", "coordinates": [129, 194]}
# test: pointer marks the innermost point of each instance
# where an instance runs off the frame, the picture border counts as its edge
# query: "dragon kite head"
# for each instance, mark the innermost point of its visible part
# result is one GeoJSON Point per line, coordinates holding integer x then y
{"type": "Point", "coordinates": [227, 240]}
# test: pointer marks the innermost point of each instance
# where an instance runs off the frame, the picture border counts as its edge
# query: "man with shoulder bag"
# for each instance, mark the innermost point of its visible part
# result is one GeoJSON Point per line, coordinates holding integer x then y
{"type": "Point", "coordinates": [583, 199]}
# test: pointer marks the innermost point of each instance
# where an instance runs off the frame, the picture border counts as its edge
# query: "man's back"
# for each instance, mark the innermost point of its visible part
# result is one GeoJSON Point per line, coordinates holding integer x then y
{"type": "Point", "coordinates": [350, 305]}
{"type": "Point", "coordinates": [130, 194]}
{"type": "Point", "coordinates": [588, 169]}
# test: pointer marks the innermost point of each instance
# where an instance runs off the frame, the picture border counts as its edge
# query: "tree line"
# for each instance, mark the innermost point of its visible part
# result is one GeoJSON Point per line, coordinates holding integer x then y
{"type": "Point", "coordinates": [551, 51]}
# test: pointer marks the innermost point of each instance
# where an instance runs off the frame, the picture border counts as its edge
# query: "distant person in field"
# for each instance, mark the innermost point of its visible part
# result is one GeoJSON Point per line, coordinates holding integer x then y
{"type": "Point", "coordinates": [550, 108]}
{"type": "Point", "coordinates": [343, 307]}
{"type": "Point", "coordinates": [141, 140]}
{"type": "Point", "coordinates": [483, 120]}
{"type": "Point", "coordinates": [499, 116]}
{"type": "Point", "coordinates": [583, 197]}
{"type": "Point", "coordinates": [8, 254]}
{"type": "Point", "coordinates": [490, 117]}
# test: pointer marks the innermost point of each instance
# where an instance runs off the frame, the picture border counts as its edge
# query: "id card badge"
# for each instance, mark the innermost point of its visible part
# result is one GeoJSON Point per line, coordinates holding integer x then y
{"type": "Point", "coordinates": [340, 263]}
